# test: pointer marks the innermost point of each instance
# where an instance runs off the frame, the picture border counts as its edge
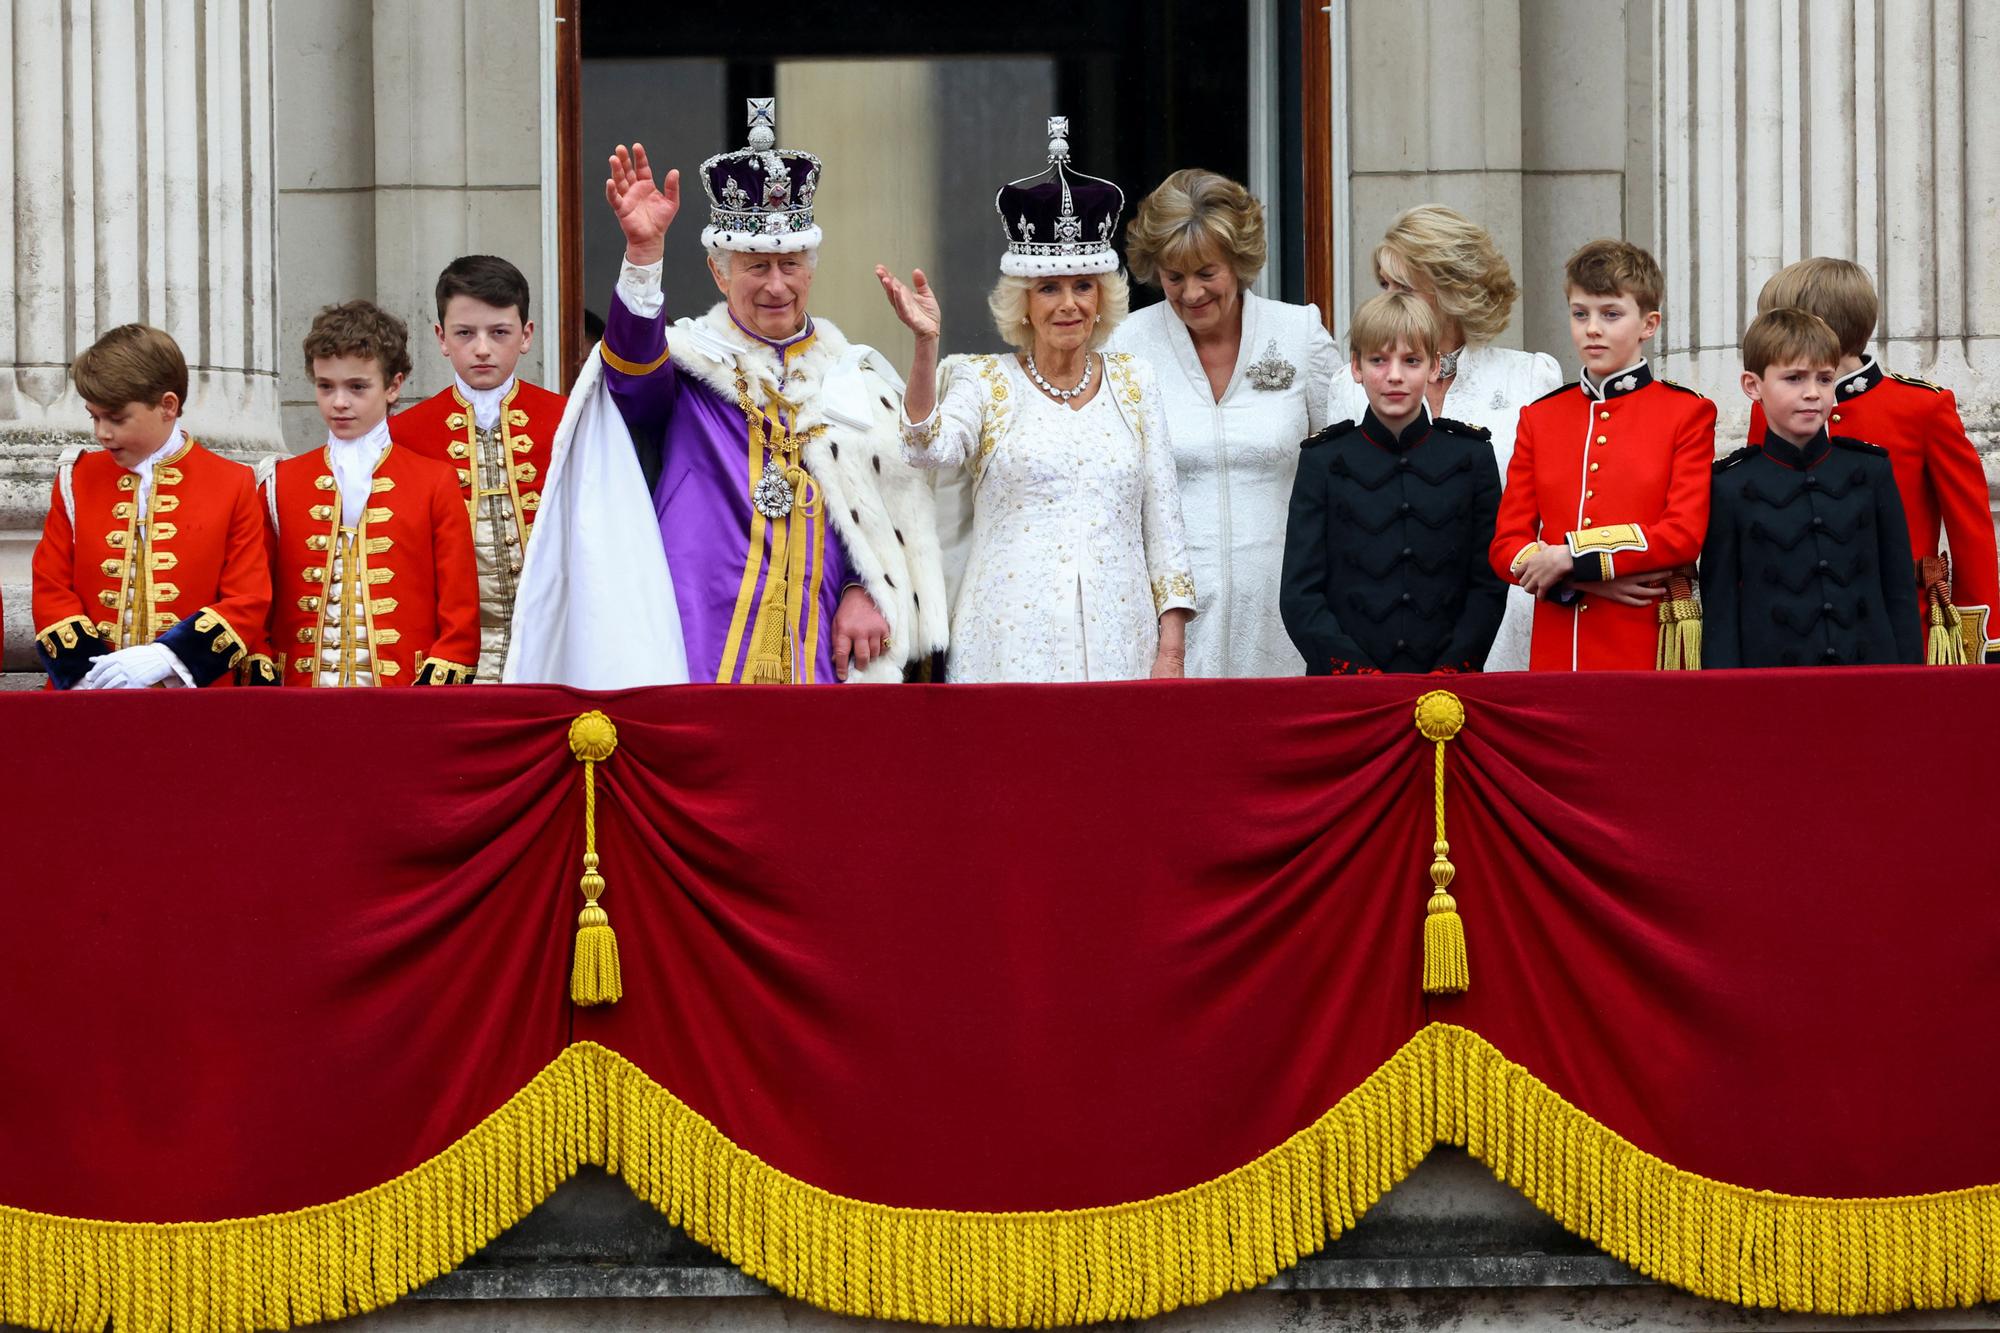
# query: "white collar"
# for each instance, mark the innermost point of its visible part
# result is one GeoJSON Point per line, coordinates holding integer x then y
{"type": "Point", "coordinates": [143, 469]}
{"type": "Point", "coordinates": [1596, 390]}
{"type": "Point", "coordinates": [367, 446]}
{"type": "Point", "coordinates": [485, 402]}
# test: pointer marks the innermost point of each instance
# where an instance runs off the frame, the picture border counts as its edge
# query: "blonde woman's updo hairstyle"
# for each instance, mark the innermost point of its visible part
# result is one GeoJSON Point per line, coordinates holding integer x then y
{"type": "Point", "coordinates": [1455, 257]}
{"type": "Point", "coordinates": [1193, 215]}
{"type": "Point", "coordinates": [1009, 303]}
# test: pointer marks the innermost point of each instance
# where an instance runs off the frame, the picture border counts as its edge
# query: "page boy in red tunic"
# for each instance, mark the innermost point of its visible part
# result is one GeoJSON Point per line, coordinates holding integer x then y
{"type": "Point", "coordinates": [151, 569]}
{"type": "Point", "coordinates": [493, 428]}
{"type": "Point", "coordinates": [1607, 492]}
{"type": "Point", "coordinates": [371, 556]}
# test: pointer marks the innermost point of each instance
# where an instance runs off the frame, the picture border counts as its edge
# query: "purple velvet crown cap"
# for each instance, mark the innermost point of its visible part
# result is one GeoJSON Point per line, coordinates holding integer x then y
{"type": "Point", "coordinates": [760, 198]}
{"type": "Point", "coordinates": [1059, 221]}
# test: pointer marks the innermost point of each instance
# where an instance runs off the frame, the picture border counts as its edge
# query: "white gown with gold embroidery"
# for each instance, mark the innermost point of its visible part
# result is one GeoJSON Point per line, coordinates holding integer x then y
{"type": "Point", "coordinates": [1076, 523]}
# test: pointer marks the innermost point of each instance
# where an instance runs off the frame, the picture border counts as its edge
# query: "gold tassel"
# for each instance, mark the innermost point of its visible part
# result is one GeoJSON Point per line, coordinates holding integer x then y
{"type": "Point", "coordinates": [1680, 625]}
{"type": "Point", "coordinates": [1446, 972]}
{"type": "Point", "coordinates": [1947, 640]}
{"type": "Point", "coordinates": [594, 977]}
{"type": "Point", "coordinates": [1946, 644]}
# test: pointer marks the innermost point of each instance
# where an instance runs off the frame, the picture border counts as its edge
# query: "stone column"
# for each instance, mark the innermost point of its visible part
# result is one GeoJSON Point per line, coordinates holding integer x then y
{"type": "Point", "coordinates": [410, 134]}
{"type": "Point", "coordinates": [140, 163]}
{"type": "Point", "coordinates": [1851, 129]}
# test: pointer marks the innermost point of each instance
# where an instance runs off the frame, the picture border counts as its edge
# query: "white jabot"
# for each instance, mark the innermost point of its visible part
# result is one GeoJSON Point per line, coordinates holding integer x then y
{"type": "Point", "coordinates": [485, 402]}
{"type": "Point", "coordinates": [639, 288]}
{"type": "Point", "coordinates": [144, 468]}
{"type": "Point", "coordinates": [354, 468]}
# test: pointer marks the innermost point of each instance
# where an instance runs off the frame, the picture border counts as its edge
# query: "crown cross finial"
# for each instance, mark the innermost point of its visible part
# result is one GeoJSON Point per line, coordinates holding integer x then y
{"type": "Point", "coordinates": [763, 115]}
{"type": "Point", "coordinates": [1058, 138]}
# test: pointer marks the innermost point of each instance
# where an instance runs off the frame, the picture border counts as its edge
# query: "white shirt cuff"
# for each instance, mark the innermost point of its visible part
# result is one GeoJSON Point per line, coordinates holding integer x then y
{"type": "Point", "coordinates": [639, 288]}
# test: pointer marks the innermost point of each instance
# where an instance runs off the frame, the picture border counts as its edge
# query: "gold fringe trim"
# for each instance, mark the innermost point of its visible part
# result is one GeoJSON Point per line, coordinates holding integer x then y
{"type": "Point", "coordinates": [1129, 1261]}
{"type": "Point", "coordinates": [329, 1261]}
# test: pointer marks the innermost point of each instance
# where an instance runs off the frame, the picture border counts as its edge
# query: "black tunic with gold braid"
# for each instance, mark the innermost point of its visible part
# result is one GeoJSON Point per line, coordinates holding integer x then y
{"type": "Point", "coordinates": [1385, 548]}
{"type": "Point", "coordinates": [1807, 559]}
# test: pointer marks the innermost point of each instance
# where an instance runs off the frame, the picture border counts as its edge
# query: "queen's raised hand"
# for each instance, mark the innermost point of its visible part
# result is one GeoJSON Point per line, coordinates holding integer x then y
{"type": "Point", "coordinates": [916, 305]}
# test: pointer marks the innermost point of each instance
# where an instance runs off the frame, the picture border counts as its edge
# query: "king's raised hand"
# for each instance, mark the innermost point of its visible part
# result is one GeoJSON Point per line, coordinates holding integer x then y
{"type": "Point", "coordinates": [645, 210]}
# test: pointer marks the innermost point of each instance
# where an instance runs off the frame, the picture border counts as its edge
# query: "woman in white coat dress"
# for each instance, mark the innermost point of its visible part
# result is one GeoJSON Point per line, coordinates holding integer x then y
{"type": "Point", "coordinates": [1243, 380]}
{"type": "Point", "coordinates": [1078, 569]}
{"type": "Point", "coordinates": [1451, 262]}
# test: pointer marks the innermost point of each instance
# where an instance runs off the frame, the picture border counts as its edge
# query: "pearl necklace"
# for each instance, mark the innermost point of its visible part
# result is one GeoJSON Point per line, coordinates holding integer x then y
{"type": "Point", "coordinates": [1060, 395]}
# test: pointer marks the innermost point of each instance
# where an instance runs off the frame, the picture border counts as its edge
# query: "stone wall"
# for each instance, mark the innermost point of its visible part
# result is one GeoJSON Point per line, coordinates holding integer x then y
{"type": "Point", "coordinates": [223, 171]}
{"type": "Point", "coordinates": [409, 133]}
{"type": "Point", "coordinates": [1731, 137]}
{"type": "Point", "coordinates": [140, 168]}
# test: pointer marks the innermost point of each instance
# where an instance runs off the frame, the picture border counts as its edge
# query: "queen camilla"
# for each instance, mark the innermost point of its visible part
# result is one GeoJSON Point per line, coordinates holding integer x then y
{"type": "Point", "coordinates": [1078, 568]}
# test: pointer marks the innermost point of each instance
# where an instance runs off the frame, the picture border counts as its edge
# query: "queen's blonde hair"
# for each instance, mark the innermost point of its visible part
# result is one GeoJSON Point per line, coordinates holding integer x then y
{"type": "Point", "coordinates": [1465, 270]}
{"type": "Point", "coordinates": [1009, 303]}
{"type": "Point", "coordinates": [1195, 214]}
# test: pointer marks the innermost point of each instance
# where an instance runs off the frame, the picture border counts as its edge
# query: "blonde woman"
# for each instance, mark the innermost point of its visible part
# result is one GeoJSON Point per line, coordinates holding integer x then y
{"type": "Point", "coordinates": [1078, 569]}
{"type": "Point", "coordinates": [1242, 380]}
{"type": "Point", "coordinates": [1452, 264]}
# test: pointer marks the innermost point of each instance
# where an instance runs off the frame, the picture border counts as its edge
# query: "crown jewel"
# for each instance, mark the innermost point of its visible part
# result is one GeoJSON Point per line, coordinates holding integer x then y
{"type": "Point", "coordinates": [1074, 215]}
{"type": "Point", "coordinates": [761, 197]}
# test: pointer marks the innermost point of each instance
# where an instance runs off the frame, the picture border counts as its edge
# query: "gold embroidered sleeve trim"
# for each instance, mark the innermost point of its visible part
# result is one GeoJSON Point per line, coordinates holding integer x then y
{"type": "Point", "coordinates": [439, 671]}
{"type": "Point", "coordinates": [624, 367]}
{"type": "Point", "coordinates": [1171, 591]}
{"type": "Point", "coordinates": [66, 631]}
{"type": "Point", "coordinates": [1608, 539]}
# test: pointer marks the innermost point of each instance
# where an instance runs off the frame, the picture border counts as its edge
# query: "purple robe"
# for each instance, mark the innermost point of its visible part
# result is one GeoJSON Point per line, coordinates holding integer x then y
{"type": "Point", "coordinates": [707, 521]}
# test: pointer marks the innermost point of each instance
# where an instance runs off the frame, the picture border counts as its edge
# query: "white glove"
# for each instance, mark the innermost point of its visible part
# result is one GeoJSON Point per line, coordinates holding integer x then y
{"type": "Point", "coordinates": [131, 668]}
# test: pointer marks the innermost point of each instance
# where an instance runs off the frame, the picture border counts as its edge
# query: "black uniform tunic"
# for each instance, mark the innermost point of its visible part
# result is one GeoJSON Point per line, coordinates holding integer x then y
{"type": "Point", "coordinates": [1385, 548]}
{"type": "Point", "coordinates": [1807, 561]}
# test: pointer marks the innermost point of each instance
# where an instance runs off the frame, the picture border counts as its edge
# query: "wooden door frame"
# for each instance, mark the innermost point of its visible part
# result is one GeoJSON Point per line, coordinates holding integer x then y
{"type": "Point", "coordinates": [1317, 180]}
{"type": "Point", "coordinates": [1316, 88]}
{"type": "Point", "coordinates": [569, 186]}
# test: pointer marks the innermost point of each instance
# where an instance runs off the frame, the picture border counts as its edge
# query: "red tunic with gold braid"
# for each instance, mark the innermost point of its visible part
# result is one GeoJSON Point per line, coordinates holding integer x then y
{"type": "Point", "coordinates": [190, 571]}
{"type": "Point", "coordinates": [392, 600]}
{"type": "Point", "coordinates": [1619, 475]}
{"type": "Point", "coordinates": [500, 478]}
{"type": "Point", "coordinates": [1941, 480]}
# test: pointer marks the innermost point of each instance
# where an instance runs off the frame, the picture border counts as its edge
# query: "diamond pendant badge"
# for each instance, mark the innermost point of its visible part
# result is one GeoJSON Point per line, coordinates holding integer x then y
{"type": "Point", "coordinates": [773, 495]}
